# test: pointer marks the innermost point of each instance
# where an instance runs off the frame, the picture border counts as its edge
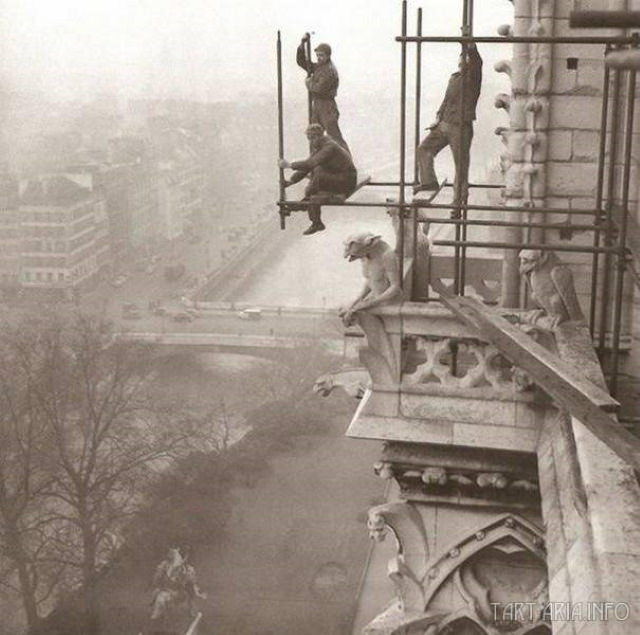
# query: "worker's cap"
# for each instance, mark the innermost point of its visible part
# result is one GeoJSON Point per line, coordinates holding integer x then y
{"type": "Point", "coordinates": [323, 48]}
{"type": "Point", "coordinates": [314, 129]}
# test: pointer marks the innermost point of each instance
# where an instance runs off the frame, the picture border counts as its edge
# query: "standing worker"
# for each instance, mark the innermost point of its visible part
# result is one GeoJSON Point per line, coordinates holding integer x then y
{"type": "Point", "coordinates": [330, 170]}
{"type": "Point", "coordinates": [322, 83]}
{"type": "Point", "coordinates": [453, 126]}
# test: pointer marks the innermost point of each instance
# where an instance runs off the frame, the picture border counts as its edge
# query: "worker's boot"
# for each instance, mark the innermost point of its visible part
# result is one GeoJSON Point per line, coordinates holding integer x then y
{"type": "Point", "coordinates": [316, 223]}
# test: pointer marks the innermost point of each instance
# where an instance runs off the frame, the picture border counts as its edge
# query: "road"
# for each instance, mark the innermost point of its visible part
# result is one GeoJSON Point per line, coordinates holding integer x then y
{"type": "Point", "coordinates": [286, 324]}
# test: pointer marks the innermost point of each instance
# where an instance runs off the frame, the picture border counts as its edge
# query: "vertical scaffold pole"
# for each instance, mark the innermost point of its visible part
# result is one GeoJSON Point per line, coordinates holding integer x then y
{"type": "Point", "coordinates": [611, 174]}
{"type": "Point", "coordinates": [280, 129]}
{"type": "Point", "coordinates": [622, 230]}
{"type": "Point", "coordinates": [403, 134]}
{"type": "Point", "coordinates": [309, 73]}
{"type": "Point", "coordinates": [414, 211]}
{"type": "Point", "coordinates": [460, 210]}
{"type": "Point", "coordinates": [464, 212]}
{"type": "Point", "coordinates": [599, 192]}
{"type": "Point", "coordinates": [418, 136]}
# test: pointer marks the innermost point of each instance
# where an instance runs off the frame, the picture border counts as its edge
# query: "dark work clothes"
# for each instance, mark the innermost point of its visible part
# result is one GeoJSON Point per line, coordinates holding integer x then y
{"type": "Point", "coordinates": [331, 171]}
{"type": "Point", "coordinates": [471, 77]}
{"type": "Point", "coordinates": [331, 156]}
{"type": "Point", "coordinates": [459, 139]}
{"type": "Point", "coordinates": [323, 89]}
{"type": "Point", "coordinates": [454, 127]}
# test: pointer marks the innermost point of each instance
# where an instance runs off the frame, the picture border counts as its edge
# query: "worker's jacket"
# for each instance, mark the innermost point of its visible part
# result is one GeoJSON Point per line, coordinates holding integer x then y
{"type": "Point", "coordinates": [471, 78]}
{"type": "Point", "coordinates": [324, 77]}
{"type": "Point", "coordinates": [330, 156]}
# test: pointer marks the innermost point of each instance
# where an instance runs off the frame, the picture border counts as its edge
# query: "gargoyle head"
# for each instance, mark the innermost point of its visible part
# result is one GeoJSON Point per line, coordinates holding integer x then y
{"type": "Point", "coordinates": [377, 526]}
{"type": "Point", "coordinates": [359, 245]}
{"type": "Point", "coordinates": [531, 259]}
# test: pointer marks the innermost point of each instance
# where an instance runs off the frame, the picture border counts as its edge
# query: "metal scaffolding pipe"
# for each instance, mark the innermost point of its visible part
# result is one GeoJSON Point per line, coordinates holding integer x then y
{"type": "Point", "coordinates": [494, 223]}
{"type": "Point", "coordinates": [525, 39]}
{"type": "Point", "coordinates": [280, 128]}
{"type": "Point", "coordinates": [489, 186]}
{"type": "Point", "coordinates": [417, 130]}
{"type": "Point", "coordinates": [414, 212]}
{"type": "Point", "coordinates": [539, 246]}
{"type": "Point", "coordinates": [307, 52]}
{"type": "Point", "coordinates": [403, 133]}
{"type": "Point", "coordinates": [613, 151]}
{"type": "Point", "coordinates": [599, 188]}
{"type": "Point", "coordinates": [622, 238]}
{"type": "Point", "coordinates": [604, 19]}
{"type": "Point", "coordinates": [303, 205]}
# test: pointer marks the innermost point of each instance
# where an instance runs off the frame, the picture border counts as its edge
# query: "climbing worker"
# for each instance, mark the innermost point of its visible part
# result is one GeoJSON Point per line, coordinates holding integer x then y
{"type": "Point", "coordinates": [330, 169]}
{"type": "Point", "coordinates": [322, 82]}
{"type": "Point", "coordinates": [453, 126]}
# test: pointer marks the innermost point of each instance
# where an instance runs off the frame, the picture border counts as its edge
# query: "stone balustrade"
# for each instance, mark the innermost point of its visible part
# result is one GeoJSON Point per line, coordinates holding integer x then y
{"type": "Point", "coordinates": [434, 381]}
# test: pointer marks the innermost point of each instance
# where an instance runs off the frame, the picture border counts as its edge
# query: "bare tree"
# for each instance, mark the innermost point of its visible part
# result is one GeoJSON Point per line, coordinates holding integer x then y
{"type": "Point", "coordinates": [103, 438]}
{"type": "Point", "coordinates": [26, 523]}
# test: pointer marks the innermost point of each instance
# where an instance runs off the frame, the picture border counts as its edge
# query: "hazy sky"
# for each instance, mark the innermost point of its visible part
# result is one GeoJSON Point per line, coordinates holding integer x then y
{"type": "Point", "coordinates": [214, 49]}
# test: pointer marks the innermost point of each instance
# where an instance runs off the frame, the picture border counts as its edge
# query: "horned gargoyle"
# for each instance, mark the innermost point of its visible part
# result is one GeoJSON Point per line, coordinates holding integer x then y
{"type": "Point", "coordinates": [380, 269]}
{"type": "Point", "coordinates": [552, 288]}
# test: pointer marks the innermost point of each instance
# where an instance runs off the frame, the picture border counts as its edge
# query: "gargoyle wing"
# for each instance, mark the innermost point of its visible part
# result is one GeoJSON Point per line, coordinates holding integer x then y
{"type": "Point", "coordinates": [563, 282]}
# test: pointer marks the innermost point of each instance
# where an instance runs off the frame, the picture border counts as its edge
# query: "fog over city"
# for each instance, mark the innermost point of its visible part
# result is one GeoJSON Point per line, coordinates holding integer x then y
{"type": "Point", "coordinates": [212, 49]}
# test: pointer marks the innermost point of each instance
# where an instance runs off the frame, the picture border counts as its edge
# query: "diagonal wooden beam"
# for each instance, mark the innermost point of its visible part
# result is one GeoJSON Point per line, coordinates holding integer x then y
{"type": "Point", "coordinates": [583, 399]}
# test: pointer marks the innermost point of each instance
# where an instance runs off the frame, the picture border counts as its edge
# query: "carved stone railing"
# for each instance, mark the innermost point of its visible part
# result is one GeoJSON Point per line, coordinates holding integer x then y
{"type": "Point", "coordinates": [434, 381]}
{"type": "Point", "coordinates": [483, 275]}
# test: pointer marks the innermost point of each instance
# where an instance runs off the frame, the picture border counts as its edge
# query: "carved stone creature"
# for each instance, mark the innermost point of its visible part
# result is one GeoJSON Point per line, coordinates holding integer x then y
{"type": "Point", "coordinates": [434, 476]}
{"type": "Point", "coordinates": [381, 270]}
{"type": "Point", "coordinates": [492, 479]}
{"type": "Point", "coordinates": [408, 568]}
{"type": "Point", "coordinates": [353, 381]}
{"type": "Point", "coordinates": [552, 287]}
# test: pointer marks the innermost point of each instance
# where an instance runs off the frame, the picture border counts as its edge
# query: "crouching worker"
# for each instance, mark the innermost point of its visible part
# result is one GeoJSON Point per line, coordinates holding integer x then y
{"type": "Point", "coordinates": [330, 170]}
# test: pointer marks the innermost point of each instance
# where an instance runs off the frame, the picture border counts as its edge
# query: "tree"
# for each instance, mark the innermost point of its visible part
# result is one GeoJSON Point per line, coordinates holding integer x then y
{"type": "Point", "coordinates": [102, 438]}
{"type": "Point", "coordinates": [26, 523]}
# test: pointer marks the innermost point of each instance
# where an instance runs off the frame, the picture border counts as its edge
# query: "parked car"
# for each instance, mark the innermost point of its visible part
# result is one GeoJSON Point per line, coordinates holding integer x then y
{"type": "Point", "coordinates": [118, 281]}
{"type": "Point", "coordinates": [250, 314]}
{"type": "Point", "coordinates": [159, 310]}
{"type": "Point", "coordinates": [182, 317]}
{"type": "Point", "coordinates": [150, 269]}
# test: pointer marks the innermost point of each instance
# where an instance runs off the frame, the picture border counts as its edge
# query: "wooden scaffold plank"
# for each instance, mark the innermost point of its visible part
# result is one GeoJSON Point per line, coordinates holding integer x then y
{"type": "Point", "coordinates": [589, 403]}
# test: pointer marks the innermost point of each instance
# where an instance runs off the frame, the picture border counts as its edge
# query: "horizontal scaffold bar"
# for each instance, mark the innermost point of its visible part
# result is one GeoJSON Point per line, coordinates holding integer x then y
{"type": "Point", "coordinates": [506, 223]}
{"type": "Point", "coordinates": [525, 39]}
{"type": "Point", "coordinates": [605, 19]}
{"type": "Point", "coordinates": [298, 206]}
{"type": "Point", "coordinates": [542, 247]}
{"type": "Point", "coordinates": [409, 183]}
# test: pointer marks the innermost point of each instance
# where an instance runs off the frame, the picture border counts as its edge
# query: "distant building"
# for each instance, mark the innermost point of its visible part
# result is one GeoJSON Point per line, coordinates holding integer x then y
{"type": "Point", "coordinates": [64, 234]}
{"type": "Point", "coordinates": [10, 236]}
{"type": "Point", "coordinates": [181, 177]}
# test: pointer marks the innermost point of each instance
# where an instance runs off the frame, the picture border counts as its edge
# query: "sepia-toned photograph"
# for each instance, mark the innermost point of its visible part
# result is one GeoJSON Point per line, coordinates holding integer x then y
{"type": "Point", "coordinates": [319, 318]}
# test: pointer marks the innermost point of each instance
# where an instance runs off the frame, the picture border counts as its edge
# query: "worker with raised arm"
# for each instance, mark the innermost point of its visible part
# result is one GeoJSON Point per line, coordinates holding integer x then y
{"type": "Point", "coordinates": [453, 126]}
{"type": "Point", "coordinates": [322, 83]}
{"type": "Point", "coordinates": [330, 170]}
